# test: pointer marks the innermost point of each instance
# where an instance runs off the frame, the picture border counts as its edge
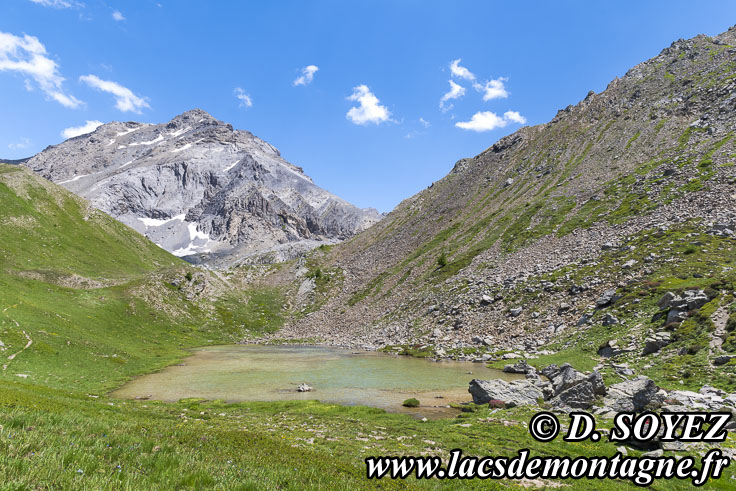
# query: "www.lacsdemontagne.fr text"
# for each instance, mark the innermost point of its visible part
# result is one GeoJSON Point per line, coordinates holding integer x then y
{"type": "Point", "coordinates": [642, 471]}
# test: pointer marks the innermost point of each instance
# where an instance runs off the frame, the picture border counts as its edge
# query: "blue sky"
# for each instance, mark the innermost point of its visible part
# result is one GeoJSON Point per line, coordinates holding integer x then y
{"type": "Point", "coordinates": [370, 123]}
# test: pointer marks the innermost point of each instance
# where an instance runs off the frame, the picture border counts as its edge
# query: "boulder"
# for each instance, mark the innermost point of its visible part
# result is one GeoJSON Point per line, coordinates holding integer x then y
{"type": "Point", "coordinates": [608, 297]}
{"type": "Point", "coordinates": [609, 320]}
{"type": "Point", "coordinates": [610, 349]}
{"type": "Point", "coordinates": [596, 381]}
{"type": "Point", "coordinates": [678, 307]}
{"type": "Point", "coordinates": [520, 367]}
{"type": "Point", "coordinates": [515, 312]}
{"type": "Point", "coordinates": [629, 264]}
{"type": "Point", "coordinates": [666, 301]}
{"type": "Point", "coordinates": [722, 359]}
{"type": "Point", "coordinates": [551, 371]}
{"type": "Point", "coordinates": [581, 395]}
{"type": "Point", "coordinates": [565, 378]}
{"type": "Point", "coordinates": [685, 400]}
{"type": "Point", "coordinates": [654, 343]}
{"type": "Point", "coordinates": [635, 395]}
{"type": "Point", "coordinates": [694, 299]}
{"type": "Point", "coordinates": [676, 315]}
{"type": "Point", "coordinates": [517, 393]}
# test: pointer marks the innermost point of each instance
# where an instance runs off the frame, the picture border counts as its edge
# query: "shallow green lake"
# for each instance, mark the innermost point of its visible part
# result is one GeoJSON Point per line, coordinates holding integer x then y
{"type": "Point", "coordinates": [272, 373]}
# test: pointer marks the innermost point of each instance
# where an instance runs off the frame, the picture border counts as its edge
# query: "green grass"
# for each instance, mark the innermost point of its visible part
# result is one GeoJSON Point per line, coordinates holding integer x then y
{"type": "Point", "coordinates": [95, 300]}
{"type": "Point", "coordinates": [256, 311]}
{"type": "Point", "coordinates": [50, 232]}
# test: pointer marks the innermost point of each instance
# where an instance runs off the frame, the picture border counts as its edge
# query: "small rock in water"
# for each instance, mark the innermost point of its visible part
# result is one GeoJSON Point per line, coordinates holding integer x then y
{"type": "Point", "coordinates": [303, 388]}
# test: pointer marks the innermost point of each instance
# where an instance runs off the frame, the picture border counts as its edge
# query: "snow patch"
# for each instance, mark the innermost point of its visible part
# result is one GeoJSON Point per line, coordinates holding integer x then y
{"type": "Point", "coordinates": [121, 147]}
{"type": "Point", "coordinates": [126, 164]}
{"type": "Point", "coordinates": [180, 132]}
{"type": "Point", "coordinates": [181, 148]}
{"type": "Point", "coordinates": [159, 138]}
{"type": "Point", "coordinates": [74, 179]}
{"type": "Point", "coordinates": [155, 222]}
{"type": "Point", "coordinates": [231, 166]}
{"type": "Point", "coordinates": [194, 237]}
{"type": "Point", "coordinates": [196, 234]}
{"type": "Point", "coordinates": [126, 132]}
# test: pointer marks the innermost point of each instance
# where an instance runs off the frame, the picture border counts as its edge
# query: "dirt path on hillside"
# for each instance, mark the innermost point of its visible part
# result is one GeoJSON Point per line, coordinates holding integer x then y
{"type": "Point", "coordinates": [720, 318]}
{"type": "Point", "coordinates": [28, 345]}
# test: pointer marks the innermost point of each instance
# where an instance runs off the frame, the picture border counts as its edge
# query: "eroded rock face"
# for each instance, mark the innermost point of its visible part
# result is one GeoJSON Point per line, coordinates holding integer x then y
{"type": "Point", "coordinates": [199, 188]}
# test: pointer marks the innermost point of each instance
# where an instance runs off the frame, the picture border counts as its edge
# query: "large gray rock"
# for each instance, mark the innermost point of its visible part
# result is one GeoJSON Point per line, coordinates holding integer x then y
{"type": "Point", "coordinates": [520, 367]}
{"type": "Point", "coordinates": [516, 393]}
{"type": "Point", "coordinates": [633, 395]}
{"type": "Point", "coordinates": [564, 378]}
{"type": "Point", "coordinates": [581, 395]}
{"type": "Point", "coordinates": [654, 343]}
{"type": "Point", "coordinates": [707, 399]}
{"type": "Point", "coordinates": [609, 320]}
{"type": "Point", "coordinates": [676, 315]}
{"type": "Point", "coordinates": [608, 297]}
{"type": "Point", "coordinates": [199, 188]}
{"type": "Point", "coordinates": [722, 359]}
{"type": "Point", "coordinates": [678, 307]}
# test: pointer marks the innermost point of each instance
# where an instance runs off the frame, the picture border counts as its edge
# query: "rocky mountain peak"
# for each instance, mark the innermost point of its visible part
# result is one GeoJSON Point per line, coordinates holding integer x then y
{"type": "Point", "coordinates": [201, 189]}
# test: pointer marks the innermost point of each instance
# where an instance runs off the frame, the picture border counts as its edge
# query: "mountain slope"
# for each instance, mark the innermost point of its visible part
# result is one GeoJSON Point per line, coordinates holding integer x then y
{"type": "Point", "coordinates": [197, 187]}
{"type": "Point", "coordinates": [82, 293]}
{"type": "Point", "coordinates": [492, 250]}
{"type": "Point", "coordinates": [49, 231]}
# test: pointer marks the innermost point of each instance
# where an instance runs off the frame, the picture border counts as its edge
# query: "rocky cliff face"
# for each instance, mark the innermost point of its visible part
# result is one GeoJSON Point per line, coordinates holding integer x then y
{"type": "Point", "coordinates": [631, 190]}
{"type": "Point", "coordinates": [201, 189]}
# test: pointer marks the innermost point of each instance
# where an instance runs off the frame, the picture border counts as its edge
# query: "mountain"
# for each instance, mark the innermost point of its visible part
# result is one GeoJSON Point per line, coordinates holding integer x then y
{"type": "Point", "coordinates": [201, 190]}
{"type": "Point", "coordinates": [631, 190]}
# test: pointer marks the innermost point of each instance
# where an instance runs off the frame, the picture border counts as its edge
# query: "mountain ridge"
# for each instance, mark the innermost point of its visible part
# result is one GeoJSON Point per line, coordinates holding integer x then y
{"type": "Point", "coordinates": [653, 150]}
{"type": "Point", "coordinates": [201, 189]}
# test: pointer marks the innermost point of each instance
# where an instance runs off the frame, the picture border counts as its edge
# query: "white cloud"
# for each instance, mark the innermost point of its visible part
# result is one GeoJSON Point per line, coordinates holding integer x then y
{"type": "Point", "coordinates": [118, 16]}
{"type": "Point", "coordinates": [27, 55]}
{"type": "Point", "coordinates": [57, 4]}
{"type": "Point", "coordinates": [514, 117]}
{"type": "Point", "coordinates": [424, 122]}
{"type": "Point", "coordinates": [307, 75]}
{"type": "Point", "coordinates": [87, 127]}
{"type": "Point", "coordinates": [245, 100]}
{"type": "Point", "coordinates": [370, 109]}
{"type": "Point", "coordinates": [460, 71]}
{"type": "Point", "coordinates": [456, 92]}
{"type": "Point", "coordinates": [125, 99]}
{"type": "Point", "coordinates": [23, 143]}
{"type": "Point", "coordinates": [493, 89]}
{"type": "Point", "coordinates": [487, 121]}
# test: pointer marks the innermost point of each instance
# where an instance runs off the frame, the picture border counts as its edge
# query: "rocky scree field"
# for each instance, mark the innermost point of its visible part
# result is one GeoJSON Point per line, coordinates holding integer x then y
{"type": "Point", "coordinates": [631, 190]}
